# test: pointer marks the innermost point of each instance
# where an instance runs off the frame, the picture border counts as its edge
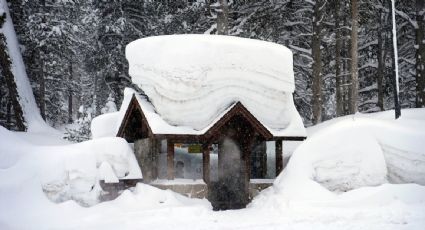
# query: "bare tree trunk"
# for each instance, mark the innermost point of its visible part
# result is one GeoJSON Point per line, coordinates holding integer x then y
{"type": "Point", "coordinates": [95, 92]}
{"type": "Point", "coordinates": [70, 103]}
{"type": "Point", "coordinates": [5, 64]}
{"type": "Point", "coordinates": [42, 83]}
{"type": "Point", "coordinates": [317, 64]}
{"type": "Point", "coordinates": [345, 69]}
{"type": "Point", "coordinates": [397, 108]}
{"type": "Point", "coordinates": [223, 18]}
{"type": "Point", "coordinates": [381, 68]}
{"type": "Point", "coordinates": [420, 54]}
{"type": "Point", "coordinates": [354, 57]}
{"type": "Point", "coordinates": [339, 99]}
{"type": "Point", "coordinates": [42, 89]}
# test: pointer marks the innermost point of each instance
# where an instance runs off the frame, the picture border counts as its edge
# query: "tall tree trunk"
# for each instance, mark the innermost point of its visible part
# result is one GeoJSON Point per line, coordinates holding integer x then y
{"type": "Point", "coordinates": [381, 67]}
{"type": "Point", "coordinates": [354, 57]}
{"type": "Point", "coordinates": [42, 89]}
{"type": "Point", "coordinates": [41, 80]}
{"type": "Point", "coordinates": [95, 92]}
{"type": "Point", "coordinates": [395, 61]}
{"type": "Point", "coordinates": [70, 96]}
{"type": "Point", "coordinates": [317, 64]}
{"type": "Point", "coordinates": [223, 18]}
{"type": "Point", "coordinates": [420, 54]}
{"type": "Point", "coordinates": [345, 69]}
{"type": "Point", "coordinates": [338, 82]}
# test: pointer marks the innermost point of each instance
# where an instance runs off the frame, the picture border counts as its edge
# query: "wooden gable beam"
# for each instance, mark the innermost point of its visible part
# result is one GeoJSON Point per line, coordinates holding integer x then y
{"type": "Point", "coordinates": [133, 105]}
{"type": "Point", "coordinates": [238, 109]}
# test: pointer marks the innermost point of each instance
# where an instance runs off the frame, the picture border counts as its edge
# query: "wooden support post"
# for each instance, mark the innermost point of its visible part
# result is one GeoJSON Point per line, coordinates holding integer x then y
{"type": "Point", "coordinates": [206, 162]}
{"type": "Point", "coordinates": [247, 148]}
{"type": "Point", "coordinates": [155, 156]}
{"type": "Point", "coordinates": [279, 157]}
{"type": "Point", "coordinates": [170, 160]}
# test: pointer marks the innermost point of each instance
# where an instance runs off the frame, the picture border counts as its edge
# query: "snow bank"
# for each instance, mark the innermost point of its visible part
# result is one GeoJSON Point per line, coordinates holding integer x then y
{"type": "Point", "coordinates": [400, 141]}
{"type": "Point", "coordinates": [297, 200]}
{"type": "Point", "coordinates": [353, 153]}
{"type": "Point", "coordinates": [24, 206]}
{"type": "Point", "coordinates": [351, 158]}
{"type": "Point", "coordinates": [68, 171]}
{"type": "Point", "coordinates": [191, 79]}
{"type": "Point", "coordinates": [148, 197]}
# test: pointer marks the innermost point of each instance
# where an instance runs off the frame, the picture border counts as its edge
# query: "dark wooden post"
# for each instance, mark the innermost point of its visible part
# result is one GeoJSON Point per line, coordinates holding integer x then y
{"type": "Point", "coordinates": [155, 155]}
{"type": "Point", "coordinates": [170, 160]}
{"type": "Point", "coordinates": [247, 148]}
{"type": "Point", "coordinates": [279, 156]}
{"type": "Point", "coordinates": [206, 162]}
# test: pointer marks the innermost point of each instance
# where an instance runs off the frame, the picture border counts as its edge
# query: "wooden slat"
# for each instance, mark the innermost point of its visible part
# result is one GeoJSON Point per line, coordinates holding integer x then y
{"type": "Point", "coordinates": [289, 138]}
{"type": "Point", "coordinates": [170, 160]}
{"type": "Point", "coordinates": [181, 138]}
{"type": "Point", "coordinates": [279, 157]}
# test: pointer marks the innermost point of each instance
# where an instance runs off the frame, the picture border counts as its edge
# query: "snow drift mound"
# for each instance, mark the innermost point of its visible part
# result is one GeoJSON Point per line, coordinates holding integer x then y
{"type": "Point", "coordinates": [357, 151]}
{"type": "Point", "coordinates": [65, 172]}
{"type": "Point", "coordinates": [351, 158]}
{"type": "Point", "coordinates": [191, 79]}
{"type": "Point", "coordinates": [348, 155]}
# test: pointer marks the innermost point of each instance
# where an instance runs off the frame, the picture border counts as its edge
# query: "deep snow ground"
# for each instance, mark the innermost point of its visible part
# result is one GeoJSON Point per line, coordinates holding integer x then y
{"type": "Point", "coordinates": [300, 198]}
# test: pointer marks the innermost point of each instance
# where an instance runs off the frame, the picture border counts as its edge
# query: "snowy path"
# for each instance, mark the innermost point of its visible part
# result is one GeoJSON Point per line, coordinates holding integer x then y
{"type": "Point", "coordinates": [396, 216]}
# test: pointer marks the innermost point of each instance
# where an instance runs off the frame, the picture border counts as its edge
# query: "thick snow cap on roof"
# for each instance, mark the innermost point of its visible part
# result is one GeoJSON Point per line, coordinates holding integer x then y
{"type": "Point", "coordinates": [192, 79]}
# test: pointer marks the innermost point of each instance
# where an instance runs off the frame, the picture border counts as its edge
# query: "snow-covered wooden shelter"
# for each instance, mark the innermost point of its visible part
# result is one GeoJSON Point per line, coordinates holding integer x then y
{"type": "Point", "coordinates": [211, 103]}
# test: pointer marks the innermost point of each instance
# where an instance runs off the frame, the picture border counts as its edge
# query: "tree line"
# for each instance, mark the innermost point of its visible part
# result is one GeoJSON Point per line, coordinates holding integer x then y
{"type": "Point", "coordinates": [343, 58]}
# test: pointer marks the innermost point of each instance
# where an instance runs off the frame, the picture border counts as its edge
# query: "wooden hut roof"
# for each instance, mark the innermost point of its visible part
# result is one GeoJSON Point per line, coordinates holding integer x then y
{"type": "Point", "coordinates": [159, 128]}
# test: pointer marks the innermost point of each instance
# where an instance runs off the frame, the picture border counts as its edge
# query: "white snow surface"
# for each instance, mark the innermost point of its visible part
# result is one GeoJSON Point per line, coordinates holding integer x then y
{"type": "Point", "coordinates": [31, 113]}
{"type": "Point", "coordinates": [106, 125]}
{"type": "Point", "coordinates": [64, 172]}
{"type": "Point", "coordinates": [106, 173]}
{"type": "Point", "coordinates": [345, 154]}
{"type": "Point", "coordinates": [356, 151]}
{"type": "Point", "coordinates": [192, 79]}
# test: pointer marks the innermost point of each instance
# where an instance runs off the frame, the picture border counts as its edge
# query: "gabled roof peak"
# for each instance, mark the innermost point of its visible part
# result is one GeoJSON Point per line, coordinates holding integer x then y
{"type": "Point", "coordinates": [158, 126]}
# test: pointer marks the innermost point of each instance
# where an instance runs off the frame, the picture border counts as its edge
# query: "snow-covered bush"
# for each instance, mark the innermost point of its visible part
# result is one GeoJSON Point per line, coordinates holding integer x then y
{"type": "Point", "coordinates": [110, 105]}
{"type": "Point", "coordinates": [80, 130]}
